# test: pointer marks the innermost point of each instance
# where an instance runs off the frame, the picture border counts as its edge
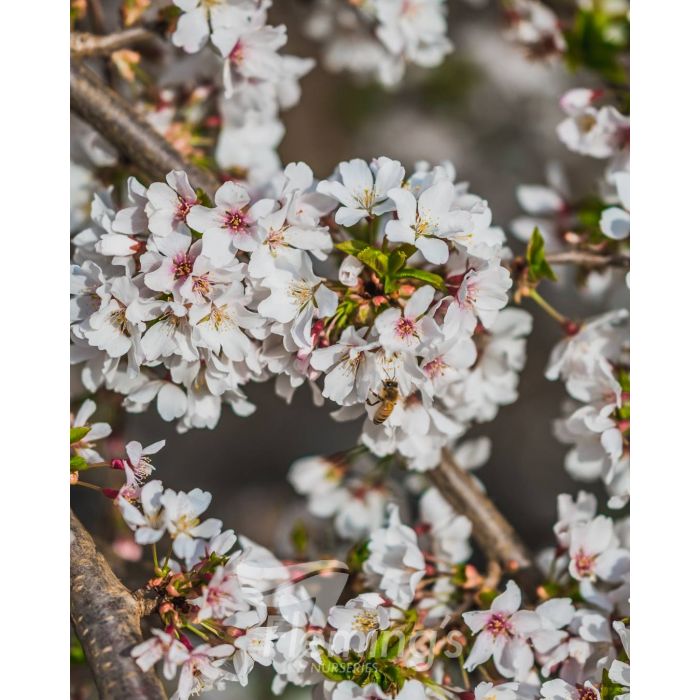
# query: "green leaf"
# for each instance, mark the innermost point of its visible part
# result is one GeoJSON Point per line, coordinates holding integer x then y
{"type": "Point", "coordinates": [357, 556]}
{"type": "Point", "coordinates": [374, 259]}
{"type": "Point", "coordinates": [538, 267]}
{"type": "Point", "coordinates": [599, 40]}
{"type": "Point", "coordinates": [408, 248]}
{"type": "Point", "coordinates": [299, 537]}
{"type": "Point", "coordinates": [397, 259]}
{"type": "Point", "coordinates": [78, 433]}
{"type": "Point", "coordinates": [203, 197]}
{"type": "Point", "coordinates": [352, 247]}
{"type": "Point", "coordinates": [423, 275]}
{"type": "Point", "coordinates": [77, 462]}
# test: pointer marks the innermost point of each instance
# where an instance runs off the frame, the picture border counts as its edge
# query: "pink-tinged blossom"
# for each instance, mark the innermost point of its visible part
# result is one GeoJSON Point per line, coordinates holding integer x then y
{"type": "Point", "coordinates": [595, 552]}
{"type": "Point", "coordinates": [482, 293]}
{"type": "Point", "coordinates": [169, 204]}
{"type": "Point", "coordinates": [410, 328]}
{"type": "Point", "coordinates": [561, 690]}
{"type": "Point", "coordinates": [231, 225]}
{"type": "Point", "coordinates": [502, 633]}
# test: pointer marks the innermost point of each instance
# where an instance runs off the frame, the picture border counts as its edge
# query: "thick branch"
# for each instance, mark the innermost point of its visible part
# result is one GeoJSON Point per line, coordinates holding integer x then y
{"type": "Point", "coordinates": [111, 115]}
{"type": "Point", "coordinates": [492, 532]}
{"type": "Point", "coordinates": [107, 620]}
{"type": "Point", "coordinates": [586, 259]}
{"type": "Point", "coordinates": [86, 44]}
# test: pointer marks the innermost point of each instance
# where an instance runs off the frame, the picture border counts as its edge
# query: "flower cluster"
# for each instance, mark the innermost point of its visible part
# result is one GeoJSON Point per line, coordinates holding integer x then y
{"type": "Point", "coordinates": [593, 362]}
{"type": "Point", "coordinates": [605, 134]}
{"type": "Point", "coordinates": [258, 81]}
{"type": "Point", "coordinates": [227, 604]}
{"type": "Point", "coordinates": [183, 301]}
{"type": "Point", "coordinates": [354, 488]}
{"type": "Point", "coordinates": [379, 39]}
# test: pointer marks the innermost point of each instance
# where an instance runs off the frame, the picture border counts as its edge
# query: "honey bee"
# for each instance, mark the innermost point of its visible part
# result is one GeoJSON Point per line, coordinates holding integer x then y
{"type": "Point", "coordinates": [388, 396]}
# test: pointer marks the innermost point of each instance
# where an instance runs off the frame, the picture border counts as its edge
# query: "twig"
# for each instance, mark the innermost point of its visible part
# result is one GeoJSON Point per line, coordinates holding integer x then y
{"type": "Point", "coordinates": [107, 621]}
{"type": "Point", "coordinates": [586, 259]}
{"type": "Point", "coordinates": [113, 117]}
{"type": "Point", "coordinates": [492, 532]}
{"type": "Point", "coordinates": [86, 44]}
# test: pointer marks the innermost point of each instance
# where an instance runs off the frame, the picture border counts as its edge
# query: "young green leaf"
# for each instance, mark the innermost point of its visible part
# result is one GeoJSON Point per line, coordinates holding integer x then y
{"type": "Point", "coordinates": [397, 259]}
{"type": "Point", "coordinates": [423, 275]}
{"type": "Point", "coordinates": [77, 462]}
{"type": "Point", "coordinates": [374, 259]}
{"type": "Point", "coordinates": [78, 433]}
{"type": "Point", "coordinates": [352, 247]}
{"type": "Point", "coordinates": [537, 266]}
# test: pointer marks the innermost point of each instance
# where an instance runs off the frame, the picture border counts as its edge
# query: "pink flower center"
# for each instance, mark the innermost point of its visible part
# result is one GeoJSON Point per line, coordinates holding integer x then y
{"type": "Point", "coordinates": [587, 694]}
{"type": "Point", "coordinates": [237, 55]}
{"type": "Point", "coordinates": [498, 625]}
{"type": "Point", "coordinates": [435, 368]}
{"type": "Point", "coordinates": [183, 208]}
{"type": "Point", "coordinates": [405, 328]}
{"type": "Point", "coordinates": [182, 266]}
{"type": "Point", "coordinates": [584, 563]}
{"type": "Point", "coordinates": [235, 221]}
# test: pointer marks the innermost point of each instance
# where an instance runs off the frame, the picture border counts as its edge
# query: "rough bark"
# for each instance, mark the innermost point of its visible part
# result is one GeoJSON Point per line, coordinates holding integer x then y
{"type": "Point", "coordinates": [493, 534]}
{"type": "Point", "coordinates": [86, 44]}
{"type": "Point", "coordinates": [113, 117]}
{"type": "Point", "coordinates": [107, 620]}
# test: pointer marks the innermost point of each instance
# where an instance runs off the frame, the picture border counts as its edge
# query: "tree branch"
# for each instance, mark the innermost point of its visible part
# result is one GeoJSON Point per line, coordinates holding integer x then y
{"type": "Point", "coordinates": [493, 534]}
{"type": "Point", "coordinates": [113, 117]}
{"type": "Point", "coordinates": [86, 44]}
{"type": "Point", "coordinates": [586, 259]}
{"type": "Point", "coordinates": [107, 621]}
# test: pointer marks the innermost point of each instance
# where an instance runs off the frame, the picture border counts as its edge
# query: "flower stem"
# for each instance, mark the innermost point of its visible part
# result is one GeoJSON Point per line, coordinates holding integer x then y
{"type": "Point", "coordinates": [548, 308]}
{"type": "Point", "coordinates": [88, 486]}
{"type": "Point", "coordinates": [465, 677]}
{"type": "Point", "coordinates": [196, 631]}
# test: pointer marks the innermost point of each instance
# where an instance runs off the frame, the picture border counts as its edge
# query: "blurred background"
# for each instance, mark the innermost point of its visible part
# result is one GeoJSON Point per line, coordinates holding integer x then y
{"type": "Point", "coordinates": [493, 113]}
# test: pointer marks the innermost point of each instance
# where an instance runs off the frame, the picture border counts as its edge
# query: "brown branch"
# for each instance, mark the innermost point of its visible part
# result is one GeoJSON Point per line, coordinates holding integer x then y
{"type": "Point", "coordinates": [86, 44]}
{"type": "Point", "coordinates": [113, 117]}
{"type": "Point", "coordinates": [107, 620]}
{"type": "Point", "coordinates": [586, 259]}
{"type": "Point", "coordinates": [493, 534]}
